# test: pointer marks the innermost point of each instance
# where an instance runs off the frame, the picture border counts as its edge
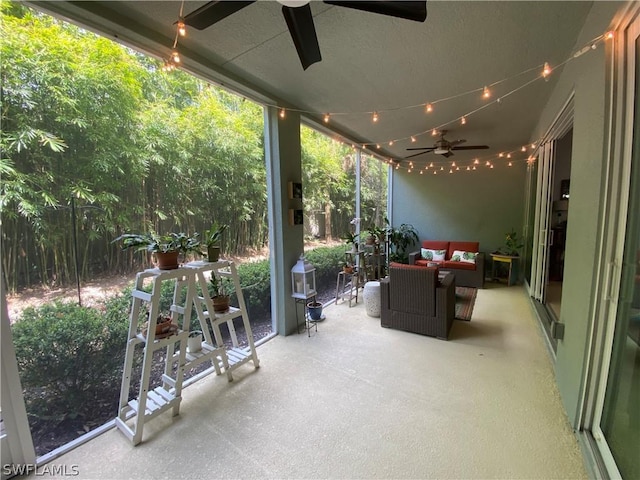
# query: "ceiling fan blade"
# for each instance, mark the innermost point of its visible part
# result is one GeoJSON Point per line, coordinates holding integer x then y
{"type": "Point", "coordinates": [303, 32]}
{"type": "Point", "coordinates": [416, 11]}
{"type": "Point", "coordinates": [422, 148]}
{"type": "Point", "coordinates": [471, 147]}
{"type": "Point", "coordinates": [457, 142]}
{"type": "Point", "coordinates": [213, 12]}
{"type": "Point", "coordinates": [416, 154]}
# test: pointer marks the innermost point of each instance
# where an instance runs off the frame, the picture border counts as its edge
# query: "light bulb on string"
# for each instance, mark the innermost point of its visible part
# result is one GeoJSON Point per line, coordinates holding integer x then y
{"type": "Point", "coordinates": [421, 172]}
{"type": "Point", "coordinates": [491, 166]}
{"type": "Point", "coordinates": [508, 155]}
{"type": "Point", "coordinates": [474, 167]}
{"type": "Point", "coordinates": [182, 28]}
{"type": "Point", "coordinates": [435, 173]}
{"type": "Point", "coordinates": [476, 161]}
{"type": "Point", "coordinates": [523, 149]}
{"type": "Point", "coordinates": [378, 146]}
{"type": "Point", "coordinates": [442, 168]}
{"type": "Point", "coordinates": [546, 71]}
{"type": "Point", "coordinates": [431, 165]}
{"type": "Point", "coordinates": [453, 164]}
{"type": "Point", "coordinates": [486, 93]}
{"type": "Point", "coordinates": [326, 118]}
{"type": "Point", "coordinates": [429, 108]}
{"type": "Point", "coordinates": [468, 168]}
{"type": "Point", "coordinates": [175, 56]}
{"type": "Point", "coordinates": [375, 117]}
{"type": "Point", "coordinates": [533, 145]}
{"type": "Point", "coordinates": [500, 155]}
{"type": "Point", "coordinates": [463, 120]}
{"type": "Point", "coordinates": [488, 163]}
{"type": "Point", "coordinates": [609, 35]}
{"type": "Point", "coordinates": [434, 132]}
{"type": "Point", "coordinates": [413, 139]}
{"type": "Point", "coordinates": [450, 171]}
{"type": "Point", "coordinates": [458, 168]}
{"type": "Point", "coordinates": [390, 142]}
{"type": "Point", "coordinates": [510, 164]}
{"type": "Point", "coordinates": [282, 113]}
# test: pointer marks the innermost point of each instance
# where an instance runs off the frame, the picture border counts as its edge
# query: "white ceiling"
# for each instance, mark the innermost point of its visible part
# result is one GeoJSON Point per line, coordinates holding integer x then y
{"type": "Point", "coordinates": [372, 63]}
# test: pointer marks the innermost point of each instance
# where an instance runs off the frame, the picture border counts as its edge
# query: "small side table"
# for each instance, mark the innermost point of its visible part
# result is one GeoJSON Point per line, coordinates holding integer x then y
{"type": "Point", "coordinates": [346, 284]}
{"type": "Point", "coordinates": [512, 260]}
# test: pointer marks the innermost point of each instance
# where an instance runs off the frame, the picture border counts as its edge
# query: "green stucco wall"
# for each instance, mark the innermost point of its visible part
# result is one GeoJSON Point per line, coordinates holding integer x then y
{"type": "Point", "coordinates": [586, 76]}
{"type": "Point", "coordinates": [479, 205]}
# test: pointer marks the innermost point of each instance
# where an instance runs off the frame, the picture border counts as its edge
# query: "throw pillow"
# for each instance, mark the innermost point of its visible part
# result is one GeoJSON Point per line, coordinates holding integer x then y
{"type": "Point", "coordinates": [467, 257]}
{"type": "Point", "coordinates": [434, 255]}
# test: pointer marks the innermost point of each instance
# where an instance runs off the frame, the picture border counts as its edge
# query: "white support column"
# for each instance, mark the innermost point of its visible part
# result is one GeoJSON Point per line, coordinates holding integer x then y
{"type": "Point", "coordinates": [286, 242]}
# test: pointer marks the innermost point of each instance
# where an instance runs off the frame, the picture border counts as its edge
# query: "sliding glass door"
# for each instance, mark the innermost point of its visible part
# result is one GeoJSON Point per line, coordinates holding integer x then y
{"type": "Point", "coordinates": [616, 426]}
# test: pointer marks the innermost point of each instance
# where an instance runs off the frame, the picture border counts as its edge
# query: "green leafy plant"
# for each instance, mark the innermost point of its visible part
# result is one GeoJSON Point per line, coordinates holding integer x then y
{"type": "Point", "coordinates": [213, 235]}
{"type": "Point", "coordinates": [155, 243]}
{"type": "Point", "coordinates": [512, 244]}
{"type": "Point", "coordinates": [399, 241]}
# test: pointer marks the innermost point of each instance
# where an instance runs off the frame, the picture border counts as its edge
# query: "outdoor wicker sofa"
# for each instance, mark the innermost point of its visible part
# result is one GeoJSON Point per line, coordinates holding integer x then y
{"type": "Point", "coordinates": [413, 299]}
{"type": "Point", "coordinates": [468, 274]}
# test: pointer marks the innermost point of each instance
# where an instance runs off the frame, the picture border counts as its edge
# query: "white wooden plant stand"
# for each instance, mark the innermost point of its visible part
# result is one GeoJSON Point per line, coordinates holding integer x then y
{"type": "Point", "coordinates": [133, 414]}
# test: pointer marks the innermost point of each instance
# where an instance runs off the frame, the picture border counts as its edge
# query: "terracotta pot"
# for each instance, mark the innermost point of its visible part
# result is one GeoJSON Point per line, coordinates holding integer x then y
{"type": "Point", "coordinates": [347, 269]}
{"type": "Point", "coordinates": [220, 303]}
{"type": "Point", "coordinates": [167, 260]}
{"type": "Point", "coordinates": [213, 253]}
{"type": "Point", "coordinates": [163, 325]}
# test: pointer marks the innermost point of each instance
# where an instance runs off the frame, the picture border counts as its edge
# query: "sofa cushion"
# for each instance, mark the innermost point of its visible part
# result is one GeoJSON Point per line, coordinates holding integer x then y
{"type": "Point", "coordinates": [465, 257]}
{"type": "Point", "coordinates": [435, 244]}
{"type": "Point", "coordinates": [434, 255]}
{"type": "Point", "coordinates": [458, 265]}
{"type": "Point", "coordinates": [425, 263]}
{"type": "Point", "coordinates": [462, 246]}
{"type": "Point", "coordinates": [404, 265]}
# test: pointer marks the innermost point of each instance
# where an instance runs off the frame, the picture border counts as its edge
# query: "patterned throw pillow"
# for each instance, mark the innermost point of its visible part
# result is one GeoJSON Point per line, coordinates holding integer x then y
{"type": "Point", "coordinates": [433, 255]}
{"type": "Point", "coordinates": [460, 256]}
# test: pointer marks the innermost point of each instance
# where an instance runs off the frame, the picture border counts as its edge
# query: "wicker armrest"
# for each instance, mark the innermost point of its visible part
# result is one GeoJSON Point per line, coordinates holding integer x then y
{"type": "Point", "coordinates": [413, 257]}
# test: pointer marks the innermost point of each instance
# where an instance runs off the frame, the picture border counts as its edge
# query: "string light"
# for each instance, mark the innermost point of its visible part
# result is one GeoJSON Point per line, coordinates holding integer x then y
{"type": "Point", "coordinates": [413, 139]}
{"type": "Point", "coordinates": [523, 149]}
{"type": "Point", "coordinates": [500, 155]}
{"type": "Point", "coordinates": [390, 142]}
{"type": "Point", "coordinates": [175, 56]}
{"type": "Point", "coordinates": [546, 71]}
{"type": "Point", "coordinates": [431, 165]}
{"type": "Point", "coordinates": [282, 113]}
{"type": "Point", "coordinates": [434, 132]}
{"type": "Point", "coordinates": [476, 161]}
{"type": "Point", "coordinates": [486, 93]}
{"type": "Point", "coordinates": [378, 146]}
{"type": "Point", "coordinates": [182, 29]}
{"type": "Point", "coordinates": [463, 120]}
{"type": "Point", "coordinates": [511, 164]}
{"type": "Point", "coordinates": [508, 155]}
{"type": "Point", "coordinates": [609, 36]}
{"type": "Point", "coordinates": [326, 118]}
{"type": "Point", "coordinates": [429, 108]}
{"type": "Point", "coordinates": [375, 117]}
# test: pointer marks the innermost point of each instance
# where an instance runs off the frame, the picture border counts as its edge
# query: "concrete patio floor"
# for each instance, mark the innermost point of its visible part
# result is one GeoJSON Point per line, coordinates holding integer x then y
{"type": "Point", "coordinates": [355, 400]}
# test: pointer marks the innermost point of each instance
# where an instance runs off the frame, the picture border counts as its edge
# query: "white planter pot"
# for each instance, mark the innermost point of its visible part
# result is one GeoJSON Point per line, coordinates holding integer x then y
{"type": "Point", "coordinates": [194, 343]}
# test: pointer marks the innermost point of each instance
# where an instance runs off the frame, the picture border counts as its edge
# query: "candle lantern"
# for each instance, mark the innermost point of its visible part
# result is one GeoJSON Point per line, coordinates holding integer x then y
{"type": "Point", "coordinates": [303, 279]}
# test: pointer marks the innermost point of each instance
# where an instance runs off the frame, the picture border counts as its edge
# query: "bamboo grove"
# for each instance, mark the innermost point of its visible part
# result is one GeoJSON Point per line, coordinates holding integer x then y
{"type": "Point", "coordinates": [98, 141]}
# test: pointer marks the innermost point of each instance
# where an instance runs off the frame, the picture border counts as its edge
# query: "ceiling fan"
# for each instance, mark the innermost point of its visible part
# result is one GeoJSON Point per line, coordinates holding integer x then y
{"type": "Point", "coordinates": [444, 147]}
{"type": "Point", "coordinates": [297, 14]}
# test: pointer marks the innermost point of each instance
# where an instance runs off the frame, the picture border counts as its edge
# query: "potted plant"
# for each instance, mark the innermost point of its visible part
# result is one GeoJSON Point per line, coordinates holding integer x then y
{"type": "Point", "coordinates": [399, 240]}
{"type": "Point", "coordinates": [219, 295]}
{"type": "Point", "coordinates": [347, 268]}
{"type": "Point", "coordinates": [165, 248]}
{"type": "Point", "coordinates": [512, 244]}
{"type": "Point", "coordinates": [351, 239]}
{"type": "Point", "coordinates": [194, 341]}
{"type": "Point", "coordinates": [315, 310]}
{"type": "Point", "coordinates": [376, 235]}
{"type": "Point", "coordinates": [212, 238]}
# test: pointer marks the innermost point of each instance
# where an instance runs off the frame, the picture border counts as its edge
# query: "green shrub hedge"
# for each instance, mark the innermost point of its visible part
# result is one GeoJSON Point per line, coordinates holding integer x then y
{"type": "Point", "coordinates": [70, 358]}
